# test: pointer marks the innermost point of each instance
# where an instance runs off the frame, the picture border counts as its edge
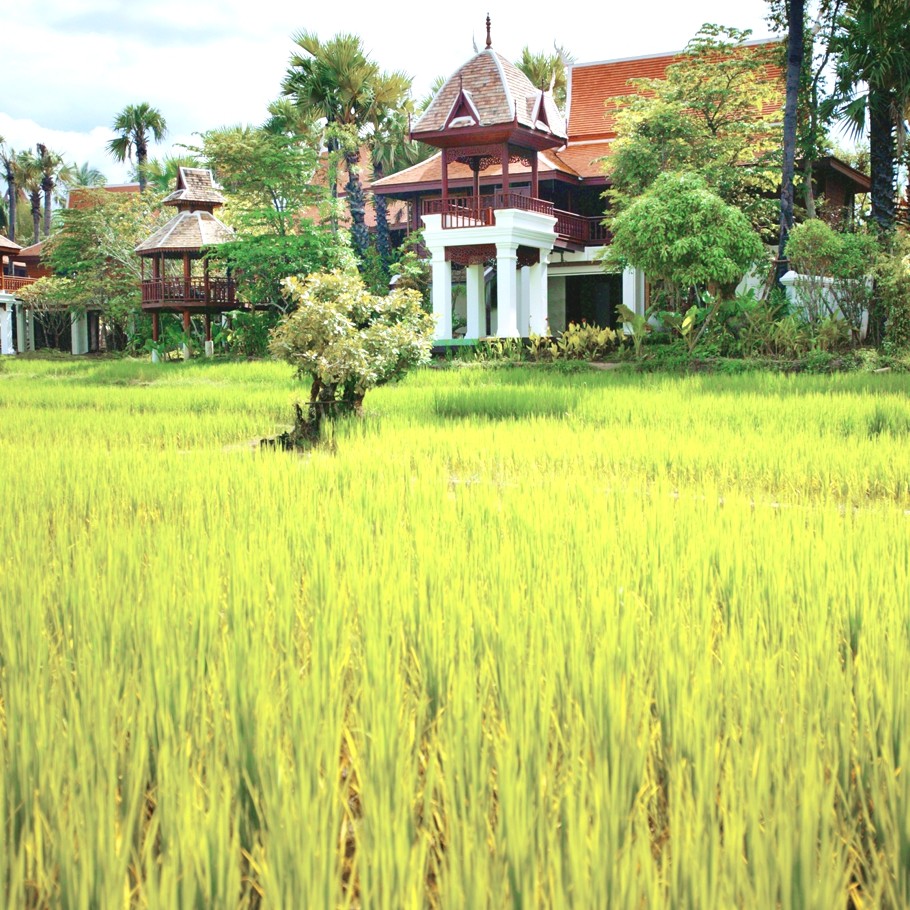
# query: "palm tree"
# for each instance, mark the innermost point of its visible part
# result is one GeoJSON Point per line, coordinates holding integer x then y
{"type": "Point", "coordinates": [8, 159]}
{"type": "Point", "coordinates": [51, 165]}
{"type": "Point", "coordinates": [83, 176]}
{"type": "Point", "coordinates": [796, 14]}
{"type": "Point", "coordinates": [162, 173]}
{"type": "Point", "coordinates": [547, 71]}
{"type": "Point", "coordinates": [873, 51]}
{"type": "Point", "coordinates": [337, 82]}
{"type": "Point", "coordinates": [135, 123]}
{"type": "Point", "coordinates": [29, 176]}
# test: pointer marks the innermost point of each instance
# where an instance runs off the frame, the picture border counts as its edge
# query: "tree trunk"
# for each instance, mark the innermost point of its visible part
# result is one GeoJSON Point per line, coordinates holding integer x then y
{"type": "Point", "coordinates": [47, 184]}
{"type": "Point", "coordinates": [357, 204]}
{"type": "Point", "coordinates": [13, 194]}
{"type": "Point", "coordinates": [141, 158]}
{"type": "Point", "coordinates": [383, 235]}
{"type": "Point", "coordinates": [795, 23]}
{"type": "Point", "coordinates": [882, 157]}
{"type": "Point", "coordinates": [35, 197]}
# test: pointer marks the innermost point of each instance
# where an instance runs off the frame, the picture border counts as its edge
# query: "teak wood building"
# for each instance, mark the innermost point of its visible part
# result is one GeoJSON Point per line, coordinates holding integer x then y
{"type": "Point", "coordinates": [175, 275]}
{"type": "Point", "coordinates": [512, 203]}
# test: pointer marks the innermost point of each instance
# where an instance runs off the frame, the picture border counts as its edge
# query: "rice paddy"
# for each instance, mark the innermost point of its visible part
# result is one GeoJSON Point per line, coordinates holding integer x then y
{"type": "Point", "coordinates": [515, 639]}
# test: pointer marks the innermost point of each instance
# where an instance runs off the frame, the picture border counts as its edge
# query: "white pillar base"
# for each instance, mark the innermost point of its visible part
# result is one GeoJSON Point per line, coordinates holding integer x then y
{"type": "Point", "coordinates": [210, 349]}
{"type": "Point", "coordinates": [476, 314]}
{"type": "Point", "coordinates": [524, 300]}
{"type": "Point", "coordinates": [6, 331]}
{"type": "Point", "coordinates": [185, 351]}
{"type": "Point", "coordinates": [442, 295]}
{"type": "Point", "coordinates": [79, 331]}
{"type": "Point", "coordinates": [24, 337]}
{"type": "Point", "coordinates": [156, 357]}
{"type": "Point", "coordinates": [537, 292]}
{"type": "Point", "coordinates": [507, 290]}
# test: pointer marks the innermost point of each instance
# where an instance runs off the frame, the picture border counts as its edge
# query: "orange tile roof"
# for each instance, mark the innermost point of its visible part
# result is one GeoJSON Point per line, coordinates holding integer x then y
{"type": "Point", "coordinates": [592, 86]}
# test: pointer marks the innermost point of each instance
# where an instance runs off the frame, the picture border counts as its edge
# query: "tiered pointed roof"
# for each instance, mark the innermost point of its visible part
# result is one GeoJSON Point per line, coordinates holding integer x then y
{"type": "Point", "coordinates": [195, 225]}
{"type": "Point", "coordinates": [490, 91]}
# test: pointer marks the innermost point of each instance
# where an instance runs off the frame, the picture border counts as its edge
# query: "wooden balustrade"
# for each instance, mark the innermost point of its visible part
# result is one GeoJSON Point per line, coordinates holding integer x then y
{"type": "Point", "coordinates": [478, 211]}
{"type": "Point", "coordinates": [11, 284]}
{"type": "Point", "coordinates": [189, 293]}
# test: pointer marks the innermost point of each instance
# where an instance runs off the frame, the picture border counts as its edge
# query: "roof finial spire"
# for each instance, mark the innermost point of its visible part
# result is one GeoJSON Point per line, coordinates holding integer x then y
{"type": "Point", "coordinates": [489, 40]}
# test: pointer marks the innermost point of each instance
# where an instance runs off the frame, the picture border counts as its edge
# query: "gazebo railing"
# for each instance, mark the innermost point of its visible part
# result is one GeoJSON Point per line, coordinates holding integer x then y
{"type": "Point", "coordinates": [188, 292]}
{"type": "Point", "coordinates": [581, 228]}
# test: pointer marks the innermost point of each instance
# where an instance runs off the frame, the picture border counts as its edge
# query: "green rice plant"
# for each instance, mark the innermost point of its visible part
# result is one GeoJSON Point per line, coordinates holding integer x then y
{"type": "Point", "coordinates": [519, 638]}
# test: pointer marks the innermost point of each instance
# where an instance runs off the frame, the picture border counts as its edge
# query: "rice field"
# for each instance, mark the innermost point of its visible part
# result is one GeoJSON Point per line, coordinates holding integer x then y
{"type": "Point", "coordinates": [516, 639]}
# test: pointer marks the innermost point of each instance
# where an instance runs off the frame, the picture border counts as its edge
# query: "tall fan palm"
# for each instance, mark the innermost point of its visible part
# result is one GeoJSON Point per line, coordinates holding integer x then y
{"type": "Point", "coordinates": [83, 176]}
{"type": "Point", "coordinates": [29, 177]}
{"type": "Point", "coordinates": [51, 166]}
{"type": "Point", "coordinates": [873, 81]}
{"type": "Point", "coordinates": [8, 159]}
{"type": "Point", "coordinates": [336, 81]}
{"type": "Point", "coordinates": [547, 71]}
{"type": "Point", "coordinates": [135, 124]}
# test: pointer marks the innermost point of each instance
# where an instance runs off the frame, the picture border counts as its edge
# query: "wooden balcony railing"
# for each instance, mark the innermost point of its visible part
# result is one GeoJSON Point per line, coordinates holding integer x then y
{"type": "Point", "coordinates": [478, 211]}
{"type": "Point", "coordinates": [192, 292]}
{"type": "Point", "coordinates": [580, 229]}
{"type": "Point", "coordinates": [11, 284]}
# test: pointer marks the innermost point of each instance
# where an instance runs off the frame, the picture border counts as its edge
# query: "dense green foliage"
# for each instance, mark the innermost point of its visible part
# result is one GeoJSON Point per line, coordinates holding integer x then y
{"type": "Point", "coordinates": [683, 235]}
{"type": "Point", "coordinates": [708, 116]}
{"type": "Point", "coordinates": [522, 639]}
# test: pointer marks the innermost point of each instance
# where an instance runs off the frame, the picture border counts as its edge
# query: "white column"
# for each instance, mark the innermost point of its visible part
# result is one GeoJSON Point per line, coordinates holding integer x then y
{"type": "Point", "coordinates": [24, 336]}
{"type": "Point", "coordinates": [507, 290]}
{"type": "Point", "coordinates": [476, 302]}
{"type": "Point", "coordinates": [185, 352]}
{"type": "Point", "coordinates": [524, 300]}
{"type": "Point", "coordinates": [538, 296]}
{"type": "Point", "coordinates": [442, 294]}
{"type": "Point", "coordinates": [633, 290]}
{"type": "Point", "coordinates": [79, 331]}
{"type": "Point", "coordinates": [210, 349]}
{"type": "Point", "coordinates": [6, 330]}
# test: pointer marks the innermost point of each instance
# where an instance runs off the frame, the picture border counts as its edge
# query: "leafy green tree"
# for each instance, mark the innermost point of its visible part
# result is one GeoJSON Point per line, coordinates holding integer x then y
{"type": "Point", "coordinates": [682, 235]}
{"type": "Point", "coordinates": [347, 341]}
{"type": "Point", "coordinates": [268, 176]}
{"type": "Point", "coordinates": [93, 250]}
{"type": "Point", "coordinates": [260, 263]}
{"type": "Point", "coordinates": [136, 124]}
{"type": "Point", "coordinates": [713, 114]}
{"type": "Point", "coordinates": [161, 173]}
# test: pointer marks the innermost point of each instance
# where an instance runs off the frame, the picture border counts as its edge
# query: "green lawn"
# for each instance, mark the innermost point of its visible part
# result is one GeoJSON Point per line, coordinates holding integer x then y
{"type": "Point", "coordinates": [515, 639]}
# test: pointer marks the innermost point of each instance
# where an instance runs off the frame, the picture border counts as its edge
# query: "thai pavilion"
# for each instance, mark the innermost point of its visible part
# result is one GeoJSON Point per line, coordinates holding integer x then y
{"type": "Point", "coordinates": [512, 204]}
{"type": "Point", "coordinates": [175, 274]}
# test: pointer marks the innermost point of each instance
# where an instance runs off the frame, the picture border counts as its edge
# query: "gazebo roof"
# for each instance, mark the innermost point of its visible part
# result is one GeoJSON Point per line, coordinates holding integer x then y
{"type": "Point", "coordinates": [195, 186]}
{"type": "Point", "coordinates": [187, 232]}
{"type": "Point", "coordinates": [8, 246]}
{"type": "Point", "coordinates": [490, 91]}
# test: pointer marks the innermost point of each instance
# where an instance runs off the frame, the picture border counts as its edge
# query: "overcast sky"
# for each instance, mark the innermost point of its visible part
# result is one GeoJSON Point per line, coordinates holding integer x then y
{"type": "Point", "coordinates": [70, 65]}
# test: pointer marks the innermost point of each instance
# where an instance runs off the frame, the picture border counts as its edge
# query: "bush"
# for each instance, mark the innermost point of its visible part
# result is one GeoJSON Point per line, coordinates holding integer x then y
{"type": "Point", "coordinates": [892, 276]}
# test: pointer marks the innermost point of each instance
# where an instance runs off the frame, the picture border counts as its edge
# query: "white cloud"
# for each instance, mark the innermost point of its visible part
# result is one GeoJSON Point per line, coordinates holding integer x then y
{"type": "Point", "coordinates": [76, 63]}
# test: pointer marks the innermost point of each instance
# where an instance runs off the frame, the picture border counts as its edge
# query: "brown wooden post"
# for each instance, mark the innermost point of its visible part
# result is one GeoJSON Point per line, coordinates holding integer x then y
{"type": "Point", "coordinates": [186, 322]}
{"type": "Point", "coordinates": [535, 191]}
{"type": "Point", "coordinates": [156, 327]}
{"type": "Point", "coordinates": [186, 277]}
{"type": "Point", "coordinates": [205, 280]}
{"type": "Point", "coordinates": [445, 176]}
{"type": "Point", "coordinates": [505, 171]}
{"type": "Point", "coordinates": [208, 326]}
{"type": "Point", "coordinates": [476, 169]}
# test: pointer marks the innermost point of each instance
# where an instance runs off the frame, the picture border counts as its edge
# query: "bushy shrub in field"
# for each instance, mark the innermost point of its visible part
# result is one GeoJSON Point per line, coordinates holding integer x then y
{"type": "Point", "coordinates": [893, 290]}
{"type": "Point", "coordinates": [347, 340]}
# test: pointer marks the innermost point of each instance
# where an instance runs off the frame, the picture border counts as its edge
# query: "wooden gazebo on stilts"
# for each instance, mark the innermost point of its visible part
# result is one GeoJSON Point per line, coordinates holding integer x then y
{"type": "Point", "coordinates": [180, 280]}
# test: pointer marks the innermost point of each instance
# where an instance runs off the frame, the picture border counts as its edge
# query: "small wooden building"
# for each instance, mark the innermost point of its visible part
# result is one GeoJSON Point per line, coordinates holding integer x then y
{"type": "Point", "coordinates": [175, 276]}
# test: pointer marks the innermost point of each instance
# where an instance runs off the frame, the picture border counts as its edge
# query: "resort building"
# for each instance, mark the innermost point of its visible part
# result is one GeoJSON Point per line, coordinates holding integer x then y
{"type": "Point", "coordinates": [512, 204]}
